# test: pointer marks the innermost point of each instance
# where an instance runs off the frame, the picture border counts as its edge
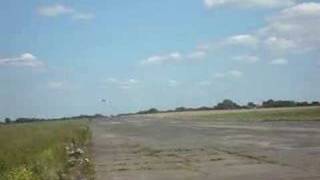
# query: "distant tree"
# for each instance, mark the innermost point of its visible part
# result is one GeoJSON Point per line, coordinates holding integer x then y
{"type": "Point", "coordinates": [180, 109]}
{"type": "Point", "coordinates": [98, 116]}
{"type": "Point", "coordinates": [280, 103]}
{"type": "Point", "coordinates": [153, 110]}
{"type": "Point", "coordinates": [251, 105]}
{"type": "Point", "coordinates": [315, 103]}
{"type": "Point", "coordinates": [150, 111]}
{"type": "Point", "coordinates": [304, 103]}
{"type": "Point", "coordinates": [204, 108]}
{"type": "Point", "coordinates": [7, 120]}
{"type": "Point", "coordinates": [28, 120]}
{"type": "Point", "coordinates": [269, 103]}
{"type": "Point", "coordinates": [227, 104]}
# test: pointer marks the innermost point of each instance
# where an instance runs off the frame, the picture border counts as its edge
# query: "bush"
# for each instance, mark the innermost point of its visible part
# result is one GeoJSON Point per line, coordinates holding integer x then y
{"type": "Point", "coordinates": [21, 173]}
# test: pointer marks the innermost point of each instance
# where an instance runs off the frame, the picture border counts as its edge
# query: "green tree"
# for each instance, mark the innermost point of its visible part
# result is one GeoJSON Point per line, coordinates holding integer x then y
{"type": "Point", "coordinates": [7, 120]}
{"type": "Point", "coordinates": [153, 110]}
{"type": "Point", "coordinates": [227, 104]}
{"type": "Point", "coordinates": [251, 105]}
{"type": "Point", "coordinates": [180, 109]}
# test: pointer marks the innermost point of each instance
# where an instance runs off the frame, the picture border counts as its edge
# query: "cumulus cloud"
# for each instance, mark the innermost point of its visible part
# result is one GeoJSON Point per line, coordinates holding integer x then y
{"type": "Point", "coordinates": [174, 57]}
{"type": "Point", "coordinates": [247, 59]}
{"type": "Point", "coordinates": [279, 44]}
{"type": "Point", "coordinates": [56, 84]}
{"type": "Point", "coordinates": [199, 54]}
{"type": "Point", "coordinates": [112, 80]}
{"type": "Point", "coordinates": [219, 75]}
{"type": "Point", "coordinates": [123, 84]}
{"type": "Point", "coordinates": [242, 40]}
{"type": "Point", "coordinates": [294, 28]}
{"type": "Point", "coordinates": [24, 60]}
{"type": "Point", "coordinates": [205, 83]}
{"type": "Point", "coordinates": [173, 83]}
{"type": "Point", "coordinates": [231, 73]}
{"type": "Point", "coordinates": [63, 10]}
{"type": "Point", "coordinates": [235, 73]}
{"type": "Point", "coordinates": [279, 61]}
{"type": "Point", "coordinates": [248, 3]}
{"type": "Point", "coordinates": [160, 59]}
{"type": "Point", "coordinates": [83, 16]}
{"type": "Point", "coordinates": [55, 10]}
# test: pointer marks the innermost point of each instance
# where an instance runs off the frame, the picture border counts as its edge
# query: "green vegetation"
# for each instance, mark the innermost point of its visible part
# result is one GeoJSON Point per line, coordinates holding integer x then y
{"type": "Point", "coordinates": [38, 151]}
{"type": "Point", "coordinates": [228, 104]}
{"type": "Point", "coordinates": [270, 114]}
{"type": "Point", "coordinates": [150, 111]}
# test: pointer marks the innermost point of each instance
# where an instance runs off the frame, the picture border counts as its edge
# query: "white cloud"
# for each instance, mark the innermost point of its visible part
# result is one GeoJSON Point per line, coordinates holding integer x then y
{"type": "Point", "coordinates": [279, 61]}
{"type": "Point", "coordinates": [155, 60]}
{"type": "Point", "coordinates": [55, 10]}
{"type": "Point", "coordinates": [197, 54]}
{"type": "Point", "coordinates": [301, 10]}
{"type": "Point", "coordinates": [83, 16]}
{"type": "Point", "coordinates": [63, 10]}
{"type": "Point", "coordinates": [231, 73]}
{"type": "Point", "coordinates": [24, 60]}
{"type": "Point", "coordinates": [123, 84]}
{"type": "Point", "coordinates": [219, 75]}
{"type": "Point", "coordinates": [295, 29]}
{"type": "Point", "coordinates": [203, 47]}
{"type": "Point", "coordinates": [235, 73]}
{"type": "Point", "coordinates": [247, 59]}
{"type": "Point", "coordinates": [205, 83]}
{"type": "Point", "coordinates": [132, 81]}
{"type": "Point", "coordinates": [248, 3]}
{"type": "Point", "coordinates": [292, 30]}
{"type": "Point", "coordinates": [242, 39]}
{"type": "Point", "coordinates": [173, 83]}
{"type": "Point", "coordinates": [56, 84]}
{"type": "Point", "coordinates": [174, 57]}
{"type": "Point", "coordinates": [161, 59]}
{"type": "Point", "coordinates": [112, 80]}
{"type": "Point", "coordinates": [279, 44]}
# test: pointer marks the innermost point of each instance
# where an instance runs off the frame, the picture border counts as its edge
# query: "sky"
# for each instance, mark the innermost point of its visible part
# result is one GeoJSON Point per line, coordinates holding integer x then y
{"type": "Point", "coordinates": [60, 58]}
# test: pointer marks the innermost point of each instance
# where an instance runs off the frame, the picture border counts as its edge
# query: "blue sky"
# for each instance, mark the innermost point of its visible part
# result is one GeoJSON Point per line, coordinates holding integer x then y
{"type": "Point", "coordinates": [60, 58]}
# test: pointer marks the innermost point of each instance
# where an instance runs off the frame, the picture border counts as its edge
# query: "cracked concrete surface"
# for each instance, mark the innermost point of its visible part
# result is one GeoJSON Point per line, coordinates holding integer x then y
{"type": "Point", "coordinates": [154, 148]}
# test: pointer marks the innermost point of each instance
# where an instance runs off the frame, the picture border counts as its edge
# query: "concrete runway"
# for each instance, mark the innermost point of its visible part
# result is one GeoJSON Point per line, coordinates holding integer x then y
{"type": "Point", "coordinates": [153, 148]}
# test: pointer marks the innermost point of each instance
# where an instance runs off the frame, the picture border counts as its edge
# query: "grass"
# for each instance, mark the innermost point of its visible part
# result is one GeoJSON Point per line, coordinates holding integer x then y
{"type": "Point", "coordinates": [36, 151]}
{"type": "Point", "coordinates": [270, 114]}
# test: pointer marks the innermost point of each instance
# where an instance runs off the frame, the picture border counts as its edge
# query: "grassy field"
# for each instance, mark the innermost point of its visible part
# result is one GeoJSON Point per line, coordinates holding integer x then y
{"type": "Point", "coordinates": [268, 114]}
{"type": "Point", "coordinates": [36, 151]}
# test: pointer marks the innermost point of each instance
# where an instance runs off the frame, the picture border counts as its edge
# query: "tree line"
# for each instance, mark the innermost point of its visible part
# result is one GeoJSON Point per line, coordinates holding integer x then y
{"type": "Point", "coordinates": [228, 104]}
{"type": "Point", "coordinates": [30, 120]}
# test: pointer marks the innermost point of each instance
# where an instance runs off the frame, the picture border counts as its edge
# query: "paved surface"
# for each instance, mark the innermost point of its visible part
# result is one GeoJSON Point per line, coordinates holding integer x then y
{"type": "Point", "coordinates": [153, 148]}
